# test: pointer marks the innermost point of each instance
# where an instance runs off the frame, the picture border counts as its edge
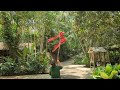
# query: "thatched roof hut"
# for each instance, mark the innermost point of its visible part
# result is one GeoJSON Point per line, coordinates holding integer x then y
{"type": "Point", "coordinates": [4, 50]}
{"type": "Point", "coordinates": [28, 45]}
{"type": "Point", "coordinates": [98, 54]}
{"type": "Point", "coordinates": [96, 49]}
{"type": "Point", "coordinates": [3, 46]}
{"type": "Point", "coordinates": [114, 48]}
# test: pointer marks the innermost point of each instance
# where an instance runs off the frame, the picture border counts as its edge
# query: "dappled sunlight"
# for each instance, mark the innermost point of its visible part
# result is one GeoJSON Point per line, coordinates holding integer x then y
{"type": "Point", "coordinates": [47, 44]}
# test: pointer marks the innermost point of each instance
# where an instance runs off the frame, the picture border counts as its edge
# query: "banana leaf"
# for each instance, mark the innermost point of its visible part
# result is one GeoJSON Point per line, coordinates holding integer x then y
{"type": "Point", "coordinates": [108, 69]}
{"type": "Point", "coordinates": [104, 75]}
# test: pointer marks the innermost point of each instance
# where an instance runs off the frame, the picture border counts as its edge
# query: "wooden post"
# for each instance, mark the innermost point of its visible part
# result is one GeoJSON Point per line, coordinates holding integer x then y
{"type": "Point", "coordinates": [99, 57]}
{"type": "Point", "coordinates": [58, 53]}
{"type": "Point", "coordinates": [92, 60]}
{"type": "Point", "coordinates": [104, 59]}
{"type": "Point", "coordinates": [58, 49]}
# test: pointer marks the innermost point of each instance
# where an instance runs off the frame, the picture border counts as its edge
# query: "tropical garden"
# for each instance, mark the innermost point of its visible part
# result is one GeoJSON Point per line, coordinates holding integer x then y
{"type": "Point", "coordinates": [24, 35]}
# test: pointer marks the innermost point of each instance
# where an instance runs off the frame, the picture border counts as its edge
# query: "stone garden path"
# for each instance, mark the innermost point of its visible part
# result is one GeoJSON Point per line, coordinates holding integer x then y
{"type": "Point", "coordinates": [71, 71]}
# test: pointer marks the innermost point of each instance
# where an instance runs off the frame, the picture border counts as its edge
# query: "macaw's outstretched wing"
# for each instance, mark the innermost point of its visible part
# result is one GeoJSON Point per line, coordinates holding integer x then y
{"type": "Point", "coordinates": [53, 38]}
{"type": "Point", "coordinates": [60, 35]}
{"type": "Point", "coordinates": [63, 40]}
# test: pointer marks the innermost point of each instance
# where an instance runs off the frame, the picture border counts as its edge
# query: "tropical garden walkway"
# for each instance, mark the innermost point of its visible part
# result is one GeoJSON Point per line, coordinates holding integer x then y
{"type": "Point", "coordinates": [69, 71]}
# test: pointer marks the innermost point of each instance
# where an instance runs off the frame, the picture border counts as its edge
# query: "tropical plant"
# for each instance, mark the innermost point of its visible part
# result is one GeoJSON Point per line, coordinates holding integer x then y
{"type": "Point", "coordinates": [81, 59]}
{"type": "Point", "coordinates": [8, 67]}
{"type": "Point", "coordinates": [83, 29]}
{"type": "Point", "coordinates": [108, 72]}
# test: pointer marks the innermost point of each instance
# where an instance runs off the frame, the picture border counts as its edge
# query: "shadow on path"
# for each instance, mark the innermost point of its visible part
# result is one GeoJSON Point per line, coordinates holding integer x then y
{"type": "Point", "coordinates": [69, 77]}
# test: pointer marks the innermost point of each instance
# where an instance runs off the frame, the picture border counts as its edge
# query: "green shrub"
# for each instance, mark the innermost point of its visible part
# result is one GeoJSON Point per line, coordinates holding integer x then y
{"type": "Point", "coordinates": [30, 65]}
{"type": "Point", "coordinates": [37, 64]}
{"type": "Point", "coordinates": [81, 60]}
{"type": "Point", "coordinates": [108, 72]}
{"type": "Point", "coordinates": [78, 60]}
{"type": "Point", "coordinates": [44, 60]}
{"type": "Point", "coordinates": [8, 67]}
{"type": "Point", "coordinates": [26, 63]}
{"type": "Point", "coordinates": [33, 66]}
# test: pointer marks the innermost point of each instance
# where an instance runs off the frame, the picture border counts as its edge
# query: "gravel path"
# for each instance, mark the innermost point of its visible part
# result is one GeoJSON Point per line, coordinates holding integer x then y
{"type": "Point", "coordinates": [35, 76]}
{"type": "Point", "coordinates": [75, 72]}
{"type": "Point", "coordinates": [69, 71]}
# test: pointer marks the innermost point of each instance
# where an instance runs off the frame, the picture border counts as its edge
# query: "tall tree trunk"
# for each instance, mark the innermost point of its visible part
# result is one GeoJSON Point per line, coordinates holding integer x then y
{"type": "Point", "coordinates": [42, 40]}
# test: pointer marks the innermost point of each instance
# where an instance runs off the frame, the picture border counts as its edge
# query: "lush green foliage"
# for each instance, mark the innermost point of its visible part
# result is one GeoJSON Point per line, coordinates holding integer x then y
{"type": "Point", "coordinates": [108, 72]}
{"type": "Point", "coordinates": [31, 66]}
{"type": "Point", "coordinates": [81, 60]}
{"type": "Point", "coordinates": [8, 67]}
{"type": "Point", "coordinates": [10, 33]}
{"type": "Point", "coordinates": [83, 29]}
